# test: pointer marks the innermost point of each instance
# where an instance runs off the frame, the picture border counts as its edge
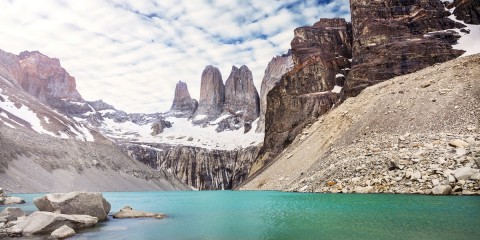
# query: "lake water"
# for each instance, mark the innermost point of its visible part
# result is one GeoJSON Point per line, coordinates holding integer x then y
{"type": "Point", "coordinates": [279, 215]}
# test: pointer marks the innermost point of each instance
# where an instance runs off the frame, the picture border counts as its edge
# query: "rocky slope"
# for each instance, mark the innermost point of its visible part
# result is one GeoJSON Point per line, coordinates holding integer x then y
{"type": "Point", "coordinates": [393, 38]}
{"type": "Point", "coordinates": [43, 150]}
{"type": "Point", "coordinates": [183, 105]}
{"type": "Point", "coordinates": [385, 39]}
{"type": "Point", "coordinates": [320, 54]}
{"type": "Point", "coordinates": [417, 133]}
{"type": "Point", "coordinates": [276, 68]}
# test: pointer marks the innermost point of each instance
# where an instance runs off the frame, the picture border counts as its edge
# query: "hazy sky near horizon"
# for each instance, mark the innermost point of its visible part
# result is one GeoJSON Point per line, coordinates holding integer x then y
{"type": "Point", "coordinates": [131, 53]}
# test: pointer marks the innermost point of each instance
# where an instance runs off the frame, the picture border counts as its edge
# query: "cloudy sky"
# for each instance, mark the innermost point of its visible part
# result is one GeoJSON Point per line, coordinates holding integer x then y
{"type": "Point", "coordinates": [131, 53]}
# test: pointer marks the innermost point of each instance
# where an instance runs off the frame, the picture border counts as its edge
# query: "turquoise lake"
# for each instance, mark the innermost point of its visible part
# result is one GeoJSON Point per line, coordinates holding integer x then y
{"type": "Point", "coordinates": [280, 215]}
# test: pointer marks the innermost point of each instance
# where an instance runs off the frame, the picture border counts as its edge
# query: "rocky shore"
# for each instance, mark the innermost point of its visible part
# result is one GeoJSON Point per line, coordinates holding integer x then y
{"type": "Point", "coordinates": [61, 215]}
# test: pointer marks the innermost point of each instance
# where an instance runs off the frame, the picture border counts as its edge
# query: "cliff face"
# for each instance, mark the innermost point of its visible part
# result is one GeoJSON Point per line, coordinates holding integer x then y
{"type": "Point", "coordinates": [212, 94]}
{"type": "Point", "coordinates": [320, 54]}
{"type": "Point", "coordinates": [467, 10]}
{"type": "Point", "coordinates": [241, 94]}
{"type": "Point", "coordinates": [44, 78]}
{"type": "Point", "coordinates": [183, 105]}
{"type": "Point", "coordinates": [278, 66]}
{"type": "Point", "coordinates": [393, 38]}
{"type": "Point", "coordinates": [413, 134]}
{"type": "Point", "coordinates": [201, 168]}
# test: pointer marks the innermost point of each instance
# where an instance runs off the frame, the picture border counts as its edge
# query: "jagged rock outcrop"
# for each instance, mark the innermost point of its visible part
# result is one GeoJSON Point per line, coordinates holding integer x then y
{"type": "Point", "coordinates": [391, 38]}
{"type": "Point", "coordinates": [204, 169]}
{"type": "Point", "coordinates": [320, 53]}
{"type": "Point", "coordinates": [212, 95]}
{"type": "Point", "coordinates": [466, 10]}
{"type": "Point", "coordinates": [241, 94]}
{"type": "Point", "coordinates": [276, 68]}
{"type": "Point", "coordinates": [183, 105]}
{"type": "Point", "coordinates": [44, 78]}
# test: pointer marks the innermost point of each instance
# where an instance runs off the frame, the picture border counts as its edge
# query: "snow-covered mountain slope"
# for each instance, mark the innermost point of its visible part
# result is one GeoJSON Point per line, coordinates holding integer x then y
{"type": "Point", "coordinates": [21, 110]}
{"type": "Point", "coordinates": [138, 128]}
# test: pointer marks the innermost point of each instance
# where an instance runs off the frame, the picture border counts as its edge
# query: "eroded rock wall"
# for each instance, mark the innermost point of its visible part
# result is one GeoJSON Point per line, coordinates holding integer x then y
{"type": "Point", "coordinates": [204, 169]}
{"type": "Point", "coordinates": [320, 54]}
{"type": "Point", "coordinates": [393, 38]}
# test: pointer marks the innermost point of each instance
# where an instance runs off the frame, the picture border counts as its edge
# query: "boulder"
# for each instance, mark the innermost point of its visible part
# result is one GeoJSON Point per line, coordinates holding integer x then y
{"type": "Point", "coordinates": [11, 200]}
{"type": "Point", "coordinates": [442, 190]}
{"type": "Point", "coordinates": [83, 203]}
{"type": "Point", "coordinates": [128, 212]}
{"type": "Point", "coordinates": [458, 143]}
{"type": "Point", "coordinates": [63, 232]}
{"type": "Point", "coordinates": [464, 173]}
{"type": "Point", "coordinates": [12, 213]}
{"type": "Point", "coordinates": [46, 222]}
{"type": "Point", "coordinates": [367, 189]}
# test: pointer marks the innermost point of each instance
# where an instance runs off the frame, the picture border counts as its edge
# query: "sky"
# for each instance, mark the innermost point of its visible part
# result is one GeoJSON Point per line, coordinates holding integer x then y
{"type": "Point", "coordinates": [131, 53]}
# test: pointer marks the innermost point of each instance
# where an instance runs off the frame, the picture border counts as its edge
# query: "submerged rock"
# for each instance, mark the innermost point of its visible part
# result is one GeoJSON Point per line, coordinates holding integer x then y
{"type": "Point", "coordinates": [83, 203]}
{"type": "Point", "coordinates": [128, 212]}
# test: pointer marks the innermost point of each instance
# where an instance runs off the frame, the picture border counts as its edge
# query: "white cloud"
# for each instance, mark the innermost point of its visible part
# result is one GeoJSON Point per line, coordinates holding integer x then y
{"type": "Point", "coordinates": [131, 53]}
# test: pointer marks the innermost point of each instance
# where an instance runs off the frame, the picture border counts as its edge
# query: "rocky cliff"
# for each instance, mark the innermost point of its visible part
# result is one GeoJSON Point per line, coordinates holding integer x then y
{"type": "Point", "coordinates": [44, 78]}
{"type": "Point", "coordinates": [204, 169]}
{"type": "Point", "coordinates": [212, 95]}
{"type": "Point", "coordinates": [320, 53]}
{"type": "Point", "coordinates": [276, 68]}
{"type": "Point", "coordinates": [241, 94]}
{"type": "Point", "coordinates": [393, 38]}
{"type": "Point", "coordinates": [417, 133]}
{"type": "Point", "coordinates": [466, 10]}
{"type": "Point", "coordinates": [183, 105]}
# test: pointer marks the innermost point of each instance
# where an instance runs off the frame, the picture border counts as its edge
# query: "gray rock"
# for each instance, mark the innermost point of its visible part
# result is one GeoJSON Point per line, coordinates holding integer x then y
{"type": "Point", "coordinates": [442, 190]}
{"type": "Point", "coordinates": [47, 222]}
{"type": "Point", "coordinates": [12, 200]}
{"type": "Point", "coordinates": [458, 143]}
{"type": "Point", "coordinates": [128, 212]}
{"type": "Point", "coordinates": [464, 173]}
{"type": "Point", "coordinates": [475, 176]}
{"type": "Point", "coordinates": [12, 213]}
{"type": "Point", "coordinates": [83, 203]}
{"type": "Point", "coordinates": [435, 182]}
{"type": "Point", "coordinates": [63, 232]}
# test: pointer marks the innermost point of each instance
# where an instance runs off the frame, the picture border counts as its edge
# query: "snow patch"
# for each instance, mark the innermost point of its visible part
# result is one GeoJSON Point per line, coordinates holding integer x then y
{"type": "Point", "coordinates": [200, 117]}
{"type": "Point", "coordinates": [337, 89]}
{"type": "Point", "coordinates": [470, 42]}
{"type": "Point", "coordinates": [26, 114]}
